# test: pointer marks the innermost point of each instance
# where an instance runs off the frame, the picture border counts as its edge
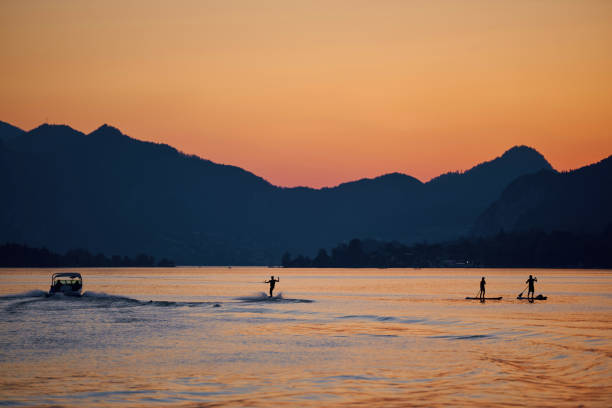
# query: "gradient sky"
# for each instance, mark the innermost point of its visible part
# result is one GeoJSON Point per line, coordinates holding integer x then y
{"type": "Point", "coordinates": [319, 92]}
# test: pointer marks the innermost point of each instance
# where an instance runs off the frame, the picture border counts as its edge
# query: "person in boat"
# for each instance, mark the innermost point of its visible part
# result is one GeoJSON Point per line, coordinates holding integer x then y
{"type": "Point", "coordinates": [481, 294]}
{"type": "Point", "coordinates": [272, 282]}
{"type": "Point", "coordinates": [530, 282]}
{"type": "Point", "coordinates": [58, 285]}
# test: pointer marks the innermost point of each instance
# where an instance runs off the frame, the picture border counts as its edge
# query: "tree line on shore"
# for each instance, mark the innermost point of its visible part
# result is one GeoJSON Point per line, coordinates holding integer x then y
{"type": "Point", "coordinates": [529, 249]}
{"type": "Point", "coordinates": [14, 255]}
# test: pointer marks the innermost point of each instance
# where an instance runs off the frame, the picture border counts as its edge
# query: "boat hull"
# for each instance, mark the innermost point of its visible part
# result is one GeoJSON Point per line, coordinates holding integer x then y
{"type": "Point", "coordinates": [71, 294]}
{"type": "Point", "coordinates": [74, 293]}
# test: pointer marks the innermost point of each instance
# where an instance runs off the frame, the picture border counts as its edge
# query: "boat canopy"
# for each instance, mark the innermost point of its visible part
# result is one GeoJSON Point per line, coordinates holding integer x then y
{"type": "Point", "coordinates": [71, 275]}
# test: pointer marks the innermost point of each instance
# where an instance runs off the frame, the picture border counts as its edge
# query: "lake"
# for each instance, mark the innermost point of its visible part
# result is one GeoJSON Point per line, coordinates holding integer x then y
{"type": "Point", "coordinates": [210, 337]}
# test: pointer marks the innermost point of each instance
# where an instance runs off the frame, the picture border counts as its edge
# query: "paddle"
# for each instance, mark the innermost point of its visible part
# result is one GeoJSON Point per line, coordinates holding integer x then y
{"type": "Point", "coordinates": [521, 294]}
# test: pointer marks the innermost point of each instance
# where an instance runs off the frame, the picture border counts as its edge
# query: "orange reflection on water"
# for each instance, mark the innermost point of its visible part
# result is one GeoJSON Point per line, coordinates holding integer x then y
{"type": "Point", "coordinates": [208, 337]}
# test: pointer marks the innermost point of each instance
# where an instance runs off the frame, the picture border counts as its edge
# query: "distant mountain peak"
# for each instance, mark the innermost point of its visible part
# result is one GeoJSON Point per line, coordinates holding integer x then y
{"type": "Point", "coordinates": [107, 131]}
{"type": "Point", "coordinates": [8, 131]}
{"type": "Point", "coordinates": [522, 151]}
{"type": "Point", "coordinates": [6, 125]}
{"type": "Point", "coordinates": [523, 159]}
{"type": "Point", "coordinates": [394, 179]}
{"type": "Point", "coordinates": [50, 129]}
{"type": "Point", "coordinates": [397, 176]}
{"type": "Point", "coordinates": [515, 161]}
{"type": "Point", "coordinates": [53, 127]}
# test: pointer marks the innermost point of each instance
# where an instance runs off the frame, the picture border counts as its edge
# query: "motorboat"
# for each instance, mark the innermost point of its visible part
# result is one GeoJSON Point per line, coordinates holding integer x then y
{"type": "Point", "coordinates": [67, 283]}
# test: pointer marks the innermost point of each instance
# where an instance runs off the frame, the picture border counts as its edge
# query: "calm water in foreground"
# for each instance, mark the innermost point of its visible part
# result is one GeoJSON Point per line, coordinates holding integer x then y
{"type": "Point", "coordinates": [200, 337]}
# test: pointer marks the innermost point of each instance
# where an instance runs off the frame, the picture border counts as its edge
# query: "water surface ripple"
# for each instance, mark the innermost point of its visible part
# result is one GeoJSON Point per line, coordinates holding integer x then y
{"type": "Point", "coordinates": [204, 337]}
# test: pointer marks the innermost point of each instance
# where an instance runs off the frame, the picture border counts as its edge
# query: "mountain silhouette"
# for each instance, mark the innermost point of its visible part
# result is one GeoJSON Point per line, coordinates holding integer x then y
{"type": "Point", "coordinates": [107, 192]}
{"type": "Point", "coordinates": [579, 201]}
{"type": "Point", "coordinates": [8, 131]}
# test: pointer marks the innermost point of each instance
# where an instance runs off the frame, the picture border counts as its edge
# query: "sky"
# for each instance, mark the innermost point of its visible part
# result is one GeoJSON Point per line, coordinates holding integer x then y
{"type": "Point", "coordinates": [317, 93]}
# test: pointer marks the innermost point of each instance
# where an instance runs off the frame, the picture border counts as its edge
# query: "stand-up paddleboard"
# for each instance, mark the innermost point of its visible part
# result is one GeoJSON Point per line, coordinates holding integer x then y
{"type": "Point", "coordinates": [477, 298]}
{"type": "Point", "coordinates": [539, 297]}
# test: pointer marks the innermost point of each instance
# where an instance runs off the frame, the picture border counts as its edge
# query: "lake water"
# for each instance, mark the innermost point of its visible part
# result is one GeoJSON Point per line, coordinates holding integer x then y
{"type": "Point", "coordinates": [209, 337]}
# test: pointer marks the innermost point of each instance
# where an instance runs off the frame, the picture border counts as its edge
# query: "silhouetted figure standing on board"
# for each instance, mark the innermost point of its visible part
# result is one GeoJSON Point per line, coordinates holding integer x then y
{"type": "Point", "coordinates": [530, 282]}
{"type": "Point", "coordinates": [481, 294]}
{"type": "Point", "coordinates": [272, 282]}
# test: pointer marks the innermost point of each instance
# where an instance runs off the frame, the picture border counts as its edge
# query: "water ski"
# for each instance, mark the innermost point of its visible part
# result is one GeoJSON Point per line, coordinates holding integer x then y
{"type": "Point", "coordinates": [539, 297]}
{"type": "Point", "coordinates": [487, 298]}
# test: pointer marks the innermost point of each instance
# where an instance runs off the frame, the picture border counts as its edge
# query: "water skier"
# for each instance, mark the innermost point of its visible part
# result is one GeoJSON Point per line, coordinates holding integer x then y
{"type": "Point", "coordinates": [272, 282]}
{"type": "Point", "coordinates": [530, 282]}
{"type": "Point", "coordinates": [481, 294]}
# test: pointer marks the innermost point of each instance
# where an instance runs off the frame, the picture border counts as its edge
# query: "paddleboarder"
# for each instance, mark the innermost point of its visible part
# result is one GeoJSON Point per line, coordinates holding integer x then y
{"type": "Point", "coordinates": [530, 282]}
{"type": "Point", "coordinates": [272, 282]}
{"type": "Point", "coordinates": [481, 294]}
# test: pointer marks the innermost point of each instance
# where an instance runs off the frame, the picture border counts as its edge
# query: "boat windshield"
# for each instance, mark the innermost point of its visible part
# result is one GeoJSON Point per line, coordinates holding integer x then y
{"type": "Point", "coordinates": [66, 281]}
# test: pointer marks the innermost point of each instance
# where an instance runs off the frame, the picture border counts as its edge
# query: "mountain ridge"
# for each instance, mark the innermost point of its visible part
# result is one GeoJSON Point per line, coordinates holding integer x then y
{"type": "Point", "coordinates": [8, 131]}
{"type": "Point", "coordinates": [106, 130]}
{"type": "Point", "coordinates": [108, 192]}
{"type": "Point", "coordinates": [579, 200]}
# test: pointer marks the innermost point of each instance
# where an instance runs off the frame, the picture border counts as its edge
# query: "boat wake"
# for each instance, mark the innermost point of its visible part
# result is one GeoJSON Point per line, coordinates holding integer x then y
{"type": "Point", "coordinates": [25, 295]}
{"type": "Point", "coordinates": [104, 297]}
{"type": "Point", "coordinates": [263, 297]}
{"type": "Point", "coordinates": [90, 299]}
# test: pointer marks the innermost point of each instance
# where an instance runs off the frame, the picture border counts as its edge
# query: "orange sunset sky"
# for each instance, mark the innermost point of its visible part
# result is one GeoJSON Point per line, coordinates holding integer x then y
{"type": "Point", "coordinates": [319, 92]}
